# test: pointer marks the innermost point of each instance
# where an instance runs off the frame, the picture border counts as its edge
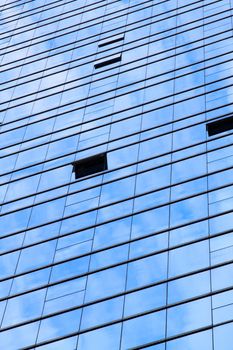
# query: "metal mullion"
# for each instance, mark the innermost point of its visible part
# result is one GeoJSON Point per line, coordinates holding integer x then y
{"type": "Point", "coordinates": [127, 318]}
{"type": "Point", "coordinates": [112, 220]}
{"type": "Point", "coordinates": [109, 31]}
{"type": "Point", "coordinates": [43, 10]}
{"type": "Point", "coordinates": [143, 160]}
{"type": "Point", "coordinates": [106, 50]}
{"type": "Point", "coordinates": [204, 238]}
{"type": "Point", "coordinates": [109, 69]}
{"type": "Point", "coordinates": [37, 121]}
{"type": "Point", "coordinates": [143, 346]}
{"type": "Point", "coordinates": [170, 279]}
{"type": "Point", "coordinates": [88, 130]}
{"type": "Point", "coordinates": [123, 319]}
{"type": "Point", "coordinates": [132, 143]}
{"type": "Point", "coordinates": [178, 336]}
{"type": "Point", "coordinates": [143, 171]}
{"type": "Point", "coordinates": [91, 176]}
{"type": "Point", "coordinates": [67, 234]}
{"type": "Point", "coordinates": [93, 103]}
{"type": "Point", "coordinates": [12, 7]}
{"type": "Point", "coordinates": [88, 26]}
{"type": "Point", "coordinates": [67, 12]}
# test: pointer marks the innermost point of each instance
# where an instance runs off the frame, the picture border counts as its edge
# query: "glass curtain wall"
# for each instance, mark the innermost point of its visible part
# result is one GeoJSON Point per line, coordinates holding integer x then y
{"type": "Point", "coordinates": [116, 210]}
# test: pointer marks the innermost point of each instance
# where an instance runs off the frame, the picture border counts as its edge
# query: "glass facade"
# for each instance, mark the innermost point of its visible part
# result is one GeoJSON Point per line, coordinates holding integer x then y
{"type": "Point", "coordinates": [116, 175]}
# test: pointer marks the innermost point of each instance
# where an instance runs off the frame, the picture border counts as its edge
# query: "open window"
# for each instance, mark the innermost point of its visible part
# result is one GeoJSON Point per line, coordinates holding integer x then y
{"type": "Point", "coordinates": [111, 40]}
{"type": "Point", "coordinates": [219, 126]}
{"type": "Point", "coordinates": [91, 165]}
{"type": "Point", "coordinates": [107, 61]}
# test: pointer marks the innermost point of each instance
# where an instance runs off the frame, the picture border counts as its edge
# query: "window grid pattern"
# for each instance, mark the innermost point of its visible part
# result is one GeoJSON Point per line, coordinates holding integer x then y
{"type": "Point", "coordinates": [137, 252]}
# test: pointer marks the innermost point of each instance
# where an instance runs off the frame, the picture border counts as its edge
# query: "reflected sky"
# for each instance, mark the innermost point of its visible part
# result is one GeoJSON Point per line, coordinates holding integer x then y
{"type": "Point", "coordinates": [130, 257]}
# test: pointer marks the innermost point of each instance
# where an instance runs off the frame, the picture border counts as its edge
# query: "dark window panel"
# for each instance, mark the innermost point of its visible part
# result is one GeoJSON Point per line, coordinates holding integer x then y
{"type": "Point", "coordinates": [89, 166]}
{"type": "Point", "coordinates": [110, 41]}
{"type": "Point", "coordinates": [219, 126]}
{"type": "Point", "coordinates": [106, 61]}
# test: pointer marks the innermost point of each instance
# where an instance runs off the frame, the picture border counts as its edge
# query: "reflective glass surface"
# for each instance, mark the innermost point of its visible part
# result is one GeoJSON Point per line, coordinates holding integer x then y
{"type": "Point", "coordinates": [115, 199]}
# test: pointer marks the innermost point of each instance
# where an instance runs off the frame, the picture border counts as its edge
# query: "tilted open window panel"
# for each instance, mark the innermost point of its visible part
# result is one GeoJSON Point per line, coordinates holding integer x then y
{"type": "Point", "coordinates": [90, 165]}
{"type": "Point", "coordinates": [219, 126]}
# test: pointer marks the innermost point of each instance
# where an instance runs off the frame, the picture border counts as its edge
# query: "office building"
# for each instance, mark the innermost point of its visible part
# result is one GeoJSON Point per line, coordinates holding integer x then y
{"type": "Point", "coordinates": [116, 175]}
